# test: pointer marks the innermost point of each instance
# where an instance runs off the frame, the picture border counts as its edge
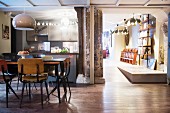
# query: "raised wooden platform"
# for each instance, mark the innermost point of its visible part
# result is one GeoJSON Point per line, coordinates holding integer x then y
{"type": "Point", "coordinates": [139, 74]}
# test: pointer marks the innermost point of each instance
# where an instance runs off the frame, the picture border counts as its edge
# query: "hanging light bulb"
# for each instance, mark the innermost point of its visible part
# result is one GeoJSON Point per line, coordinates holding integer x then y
{"type": "Point", "coordinates": [38, 24]}
{"type": "Point", "coordinates": [138, 21]}
{"type": "Point", "coordinates": [117, 30]}
{"type": "Point", "coordinates": [50, 24]}
{"type": "Point", "coordinates": [43, 24]}
{"type": "Point", "coordinates": [65, 21]}
{"type": "Point", "coordinates": [125, 31]}
{"type": "Point", "coordinates": [46, 24]}
{"type": "Point", "coordinates": [133, 21]}
{"type": "Point", "coordinates": [118, 33]}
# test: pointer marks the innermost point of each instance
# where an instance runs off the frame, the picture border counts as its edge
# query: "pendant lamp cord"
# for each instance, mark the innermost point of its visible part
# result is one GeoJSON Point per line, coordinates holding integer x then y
{"type": "Point", "coordinates": [24, 6]}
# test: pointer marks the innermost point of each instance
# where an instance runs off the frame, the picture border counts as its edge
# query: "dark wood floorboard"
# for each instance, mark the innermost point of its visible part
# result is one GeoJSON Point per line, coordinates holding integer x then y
{"type": "Point", "coordinates": [117, 95]}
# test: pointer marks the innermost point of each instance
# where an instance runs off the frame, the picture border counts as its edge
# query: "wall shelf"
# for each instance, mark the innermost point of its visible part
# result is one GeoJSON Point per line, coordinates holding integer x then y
{"type": "Point", "coordinates": [145, 39]}
{"type": "Point", "coordinates": [150, 28]}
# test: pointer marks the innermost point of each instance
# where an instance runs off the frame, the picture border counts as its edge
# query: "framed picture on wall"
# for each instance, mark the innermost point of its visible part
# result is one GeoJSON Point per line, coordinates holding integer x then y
{"type": "Point", "coordinates": [5, 32]}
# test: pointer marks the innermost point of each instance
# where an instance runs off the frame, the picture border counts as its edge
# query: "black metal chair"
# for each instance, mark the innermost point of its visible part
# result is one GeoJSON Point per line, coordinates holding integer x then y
{"type": "Point", "coordinates": [7, 78]}
{"type": "Point", "coordinates": [63, 76]}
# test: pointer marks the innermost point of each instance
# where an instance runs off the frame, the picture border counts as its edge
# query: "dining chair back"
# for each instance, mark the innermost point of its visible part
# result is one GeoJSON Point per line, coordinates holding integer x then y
{"type": "Point", "coordinates": [7, 78]}
{"type": "Point", "coordinates": [63, 75]}
{"type": "Point", "coordinates": [32, 71]}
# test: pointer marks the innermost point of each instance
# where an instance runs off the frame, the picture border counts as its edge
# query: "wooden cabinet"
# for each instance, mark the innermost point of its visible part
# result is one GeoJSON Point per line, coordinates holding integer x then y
{"type": "Point", "coordinates": [54, 33]}
{"type": "Point", "coordinates": [40, 34]}
{"type": "Point", "coordinates": [63, 33]}
{"type": "Point", "coordinates": [146, 36]}
{"type": "Point", "coordinates": [129, 55]}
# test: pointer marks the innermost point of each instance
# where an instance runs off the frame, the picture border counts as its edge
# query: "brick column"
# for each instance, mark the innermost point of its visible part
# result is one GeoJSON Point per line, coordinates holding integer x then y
{"type": "Point", "coordinates": [83, 15]}
{"type": "Point", "coordinates": [80, 14]}
{"type": "Point", "coordinates": [98, 55]}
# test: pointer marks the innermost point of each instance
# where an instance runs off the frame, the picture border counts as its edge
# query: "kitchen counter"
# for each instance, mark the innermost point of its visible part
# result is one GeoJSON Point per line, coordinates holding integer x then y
{"type": "Point", "coordinates": [48, 53]}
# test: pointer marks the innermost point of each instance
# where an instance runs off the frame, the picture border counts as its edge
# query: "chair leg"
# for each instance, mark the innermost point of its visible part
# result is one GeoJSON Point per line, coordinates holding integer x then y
{"type": "Point", "coordinates": [41, 95]}
{"type": "Point", "coordinates": [69, 90]}
{"type": "Point", "coordinates": [35, 86]}
{"type": "Point", "coordinates": [18, 83]}
{"type": "Point", "coordinates": [64, 87]}
{"type": "Point", "coordinates": [68, 86]}
{"type": "Point", "coordinates": [29, 90]}
{"type": "Point", "coordinates": [22, 93]}
{"type": "Point", "coordinates": [9, 87]}
{"type": "Point", "coordinates": [46, 86]}
{"type": "Point", "coordinates": [7, 90]}
{"type": "Point", "coordinates": [58, 89]}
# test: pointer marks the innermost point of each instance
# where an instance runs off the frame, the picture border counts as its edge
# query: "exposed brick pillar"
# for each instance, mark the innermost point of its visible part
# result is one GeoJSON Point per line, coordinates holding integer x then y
{"type": "Point", "coordinates": [80, 14]}
{"type": "Point", "coordinates": [87, 44]}
{"type": "Point", "coordinates": [98, 55]}
{"type": "Point", "coordinates": [83, 15]}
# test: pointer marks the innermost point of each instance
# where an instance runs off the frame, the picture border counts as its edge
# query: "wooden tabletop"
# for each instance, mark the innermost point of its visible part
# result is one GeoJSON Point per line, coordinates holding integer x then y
{"type": "Point", "coordinates": [52, 61]}
{"type": "Point", "coordinates": [11, 62]}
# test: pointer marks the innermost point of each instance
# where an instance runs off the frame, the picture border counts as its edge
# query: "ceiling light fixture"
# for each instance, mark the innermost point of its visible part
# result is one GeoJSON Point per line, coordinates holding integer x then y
{"type": "Point", "coordinates": [23, 22]}
{"type": "Point", "coordinates": [125, 31]}
{"type": "Point", "coordinates": [133, 21]}
{"type": "Point", "coordinates": [120, 31]}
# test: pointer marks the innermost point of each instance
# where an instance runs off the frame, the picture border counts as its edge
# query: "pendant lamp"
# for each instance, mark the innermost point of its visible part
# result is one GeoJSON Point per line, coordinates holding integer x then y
{"type": "Point", "coordinates": [23, 22]}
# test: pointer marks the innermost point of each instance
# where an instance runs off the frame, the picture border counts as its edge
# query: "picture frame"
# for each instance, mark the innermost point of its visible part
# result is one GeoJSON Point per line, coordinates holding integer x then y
{"type": "Point", "coordinates": [5, 32]}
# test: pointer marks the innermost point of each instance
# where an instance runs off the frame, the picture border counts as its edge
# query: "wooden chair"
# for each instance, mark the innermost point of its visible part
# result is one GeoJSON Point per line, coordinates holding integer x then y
{"type": "Point", "coordinates": [32, 71]}
{"type": "Point", "coordinates": [7, 78]}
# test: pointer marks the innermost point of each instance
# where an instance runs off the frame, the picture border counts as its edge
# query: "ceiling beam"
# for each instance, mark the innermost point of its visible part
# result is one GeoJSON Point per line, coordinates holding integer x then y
{"type": "Point", "coordinates": [60, 2]}
{"type": "Point", "coordinates": [129, 6]}
{"type": "Point", "coordinates": [117, 2]}
{"type": "Point", "coordinates": [4, 4]}
{"type": "Point", "coordinates": [88, 2]}
{"type": "Point", "coordinates": [147, 2]}
{"type": "Point", "coordinates": [30, 2]}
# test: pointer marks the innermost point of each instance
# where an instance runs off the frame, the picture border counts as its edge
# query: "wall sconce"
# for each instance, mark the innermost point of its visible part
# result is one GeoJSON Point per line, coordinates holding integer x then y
{"type": "Point", "coordinates": [23, 22]}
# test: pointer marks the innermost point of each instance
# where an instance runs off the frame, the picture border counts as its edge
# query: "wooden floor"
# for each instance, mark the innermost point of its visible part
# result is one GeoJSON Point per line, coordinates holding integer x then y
{"type": "Point", "coordinates": [117, 95]}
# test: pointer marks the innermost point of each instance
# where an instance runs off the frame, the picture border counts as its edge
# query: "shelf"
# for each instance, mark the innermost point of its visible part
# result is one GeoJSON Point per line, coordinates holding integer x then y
{"type": "Point", "coordinates": [147, 29]}
{"type": "Point", "coordinates": [53, 41]}
{"type": "Point", "coordinates": [145, 46]}
{"type": "Point", "coordinates": [146, 21]}
{"type": "Point", "coordinates": [144, 37]}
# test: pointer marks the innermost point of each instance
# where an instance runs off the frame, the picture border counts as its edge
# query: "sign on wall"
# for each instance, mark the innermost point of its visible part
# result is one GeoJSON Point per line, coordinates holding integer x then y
{"type": "Point", "coordinates": [5, 32]}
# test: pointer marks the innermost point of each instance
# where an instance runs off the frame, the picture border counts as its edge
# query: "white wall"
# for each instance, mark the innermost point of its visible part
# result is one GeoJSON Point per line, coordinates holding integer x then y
{"type": "Point", "coordinates": [158, 38]}
{"type": "Point", "coordinates": [5, 45]}
{"type": "Point", "coordinates": [118, 45]}
{"type": "Point", "coordinates": [133, 36]}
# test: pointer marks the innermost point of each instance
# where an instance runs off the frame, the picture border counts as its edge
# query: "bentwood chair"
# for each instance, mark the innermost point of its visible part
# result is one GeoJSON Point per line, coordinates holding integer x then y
{"type": "Point", "coordinates": [7, 78]}
{"type": "Point", "coordinates": [32, 71]}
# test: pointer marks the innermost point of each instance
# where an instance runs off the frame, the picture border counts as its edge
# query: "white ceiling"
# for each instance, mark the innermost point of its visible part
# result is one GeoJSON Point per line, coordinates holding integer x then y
{"type": "Point", "coordinates": [114, 11]}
